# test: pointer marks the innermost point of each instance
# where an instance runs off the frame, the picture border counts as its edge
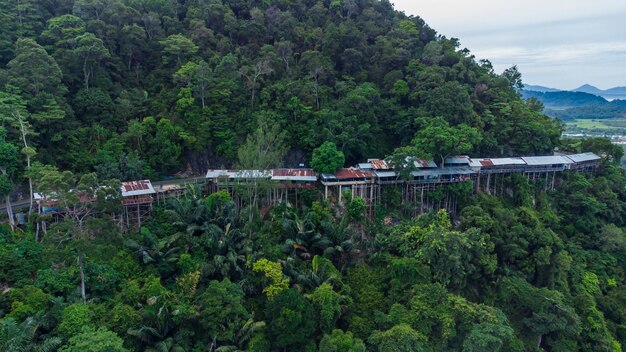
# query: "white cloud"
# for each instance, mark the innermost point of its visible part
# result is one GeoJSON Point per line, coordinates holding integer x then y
{"type": "Point", "coordinates": [563, 43]}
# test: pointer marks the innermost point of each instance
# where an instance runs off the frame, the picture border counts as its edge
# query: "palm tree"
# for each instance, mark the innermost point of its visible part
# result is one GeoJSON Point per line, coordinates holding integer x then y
{"type": "Point", "coordinates": [158, 331]}
{"type": "Point", "coordinates": [302, 236]}
{"type": "Point", "coordinates": [154, 250]}
{"type": "Point", "coordinates": [16, 337]}
{"type": "Point", "coordinates": [341, 244]}
{"type": "Point", "coordinates": [189, 212]}
{"type": "Point", "coordinates": [308, 280]}
{"type": "Point", "coordinates": [231, 246]}
{"type": "Point", "coordinates": [243, 336]}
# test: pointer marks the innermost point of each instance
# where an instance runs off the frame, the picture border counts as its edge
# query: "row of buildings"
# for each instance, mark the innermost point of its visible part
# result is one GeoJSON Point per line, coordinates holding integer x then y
{"type": "Point", "coordinates": [367, 180]}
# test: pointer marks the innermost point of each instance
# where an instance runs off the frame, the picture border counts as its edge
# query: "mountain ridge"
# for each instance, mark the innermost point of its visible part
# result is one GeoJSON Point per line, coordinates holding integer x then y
{"type": "Point", "coordinates": [585, 88]}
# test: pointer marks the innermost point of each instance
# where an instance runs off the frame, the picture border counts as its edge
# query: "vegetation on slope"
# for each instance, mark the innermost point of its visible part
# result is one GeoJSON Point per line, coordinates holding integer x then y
{"type": "Point", "coordinates": [124, 89]}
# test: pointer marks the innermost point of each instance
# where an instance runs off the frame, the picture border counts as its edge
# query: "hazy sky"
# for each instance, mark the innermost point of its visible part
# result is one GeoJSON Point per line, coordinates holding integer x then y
{"type": "Point", "coordinates": [556, 43]}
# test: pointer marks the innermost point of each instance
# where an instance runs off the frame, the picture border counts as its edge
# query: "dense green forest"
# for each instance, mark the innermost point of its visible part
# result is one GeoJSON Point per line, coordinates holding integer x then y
{"type": "Point", "coordinates": [94, 91]}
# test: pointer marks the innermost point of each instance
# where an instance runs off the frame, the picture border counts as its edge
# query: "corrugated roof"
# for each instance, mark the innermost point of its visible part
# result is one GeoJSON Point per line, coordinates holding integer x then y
{"type": "Point", "coordinates": [424, 164]}
{"type": "Point", "coordinates": [251, 174]}
{"type": "Point", "coordinates": [545, 160]}
{"type": "Point", "coordinates": [294, 175]}
{"type": "Point", "coordinates": [352, 173]}
{"type": "Point", "coordinates": [378, 164]}
{"type": "Point", "coordinates": [577, 158]}
{"type": "Point", "coordinates": [137, 188]}
{"type": "Point", "coordinates": [365, 166]}
{"type": "Point", "coordinates": [444, 171]}
{"type": "Point", "coordinates": [385, 174]}
{"type": "Point", "coordinates": [486, 162]}
{"type": "Point", "coordinates": [219, 173]}
{"type": "Point", "coordinates": [459, 159]}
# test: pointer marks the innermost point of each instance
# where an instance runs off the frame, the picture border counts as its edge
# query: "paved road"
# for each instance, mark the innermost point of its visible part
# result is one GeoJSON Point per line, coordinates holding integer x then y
{"type": "Point", "coordinates": [25, 202]}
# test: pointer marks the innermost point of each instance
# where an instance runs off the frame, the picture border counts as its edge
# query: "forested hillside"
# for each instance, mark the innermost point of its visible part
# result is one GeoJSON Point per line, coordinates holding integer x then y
{"type": "Point", "coordinates": [97, 91]}
{"type": "Point", "coordinates": [164, 85]}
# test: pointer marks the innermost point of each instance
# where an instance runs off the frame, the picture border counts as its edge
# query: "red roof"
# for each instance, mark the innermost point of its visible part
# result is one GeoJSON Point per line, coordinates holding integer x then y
{"type": "Point", "coordinates": [135, 186]}
{"type": "Point", "coordinates": [486, 162]}
{"type": "Point", "coordinates": [378, 164]}
{"type": "Point", "coordinates": [352, 173]}
{"type": "Point", "coordinates": [293, 172]}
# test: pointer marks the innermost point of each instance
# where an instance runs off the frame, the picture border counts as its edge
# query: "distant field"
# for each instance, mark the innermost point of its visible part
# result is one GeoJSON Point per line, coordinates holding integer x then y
{"type": "Point", "coordinates": [617, 126]}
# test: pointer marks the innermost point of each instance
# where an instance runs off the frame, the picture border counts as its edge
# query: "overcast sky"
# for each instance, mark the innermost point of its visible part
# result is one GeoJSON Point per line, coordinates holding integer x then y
{"type": "Point", "coordinates": [556, 43]}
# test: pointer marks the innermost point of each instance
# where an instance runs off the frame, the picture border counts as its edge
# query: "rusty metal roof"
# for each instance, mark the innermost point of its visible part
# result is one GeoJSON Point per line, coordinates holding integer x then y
{"type": "Point", "coordinates": [487, 162]}
{"type": "Point", "coordinates": [378, 164]}
{"type": "Point", "coordinates": [424, 164]}
{"type": "Point", "coordinates": [352, 173]}
{"type": "Point", "coordinates": [136, 188]}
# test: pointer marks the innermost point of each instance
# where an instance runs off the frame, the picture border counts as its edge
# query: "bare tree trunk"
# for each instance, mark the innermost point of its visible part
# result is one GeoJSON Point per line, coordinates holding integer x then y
{"type": "Point", "coordinates": [86, 73]}
{"type": "Point", "coordinates": [539, 338]}
{"type": "Point", "coordinates": [7, 200]}
{"type": "Point", "coordinates": [202, 93]}
{"type": "Point", "coordinates": [82, 277]}
{"type": "Point", "coordinates": [27, 152]}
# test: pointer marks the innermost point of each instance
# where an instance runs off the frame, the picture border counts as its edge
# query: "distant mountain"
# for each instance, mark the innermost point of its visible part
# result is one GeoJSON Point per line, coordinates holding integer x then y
{"type": "Point", "coordinates": [616, 91]}
{"type": "Point", "coordinates": [584, 102]}
{"type": "Point", "coordinates": [564, 99]}
{"type": "Point", "coordinates": [540, 88]}
{"type": "Point", "coordinates": [588, 88]}
{"type": "Point", "coordinates": [609, 94]}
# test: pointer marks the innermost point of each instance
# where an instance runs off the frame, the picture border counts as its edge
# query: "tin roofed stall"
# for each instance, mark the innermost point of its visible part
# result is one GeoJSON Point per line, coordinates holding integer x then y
{"type": "Point", "coordinates": [137, 198]}
{"type": "Point", "coordinates": [286, 184]}
{"type": "Point", "coordinates": [357, 182]}
{"type": "Point", "coordinates": [428, 187]}
{"type": "Point", "coordinates": [383, 172]}
{"type": "Point", "coordinates": [490, 172]}
{"type": "Point", "coordinates": [245, 186]}
{"type": "Point", "coordinates": [544, 168]}
{"type": "Point", "coordinates": [586, 162]}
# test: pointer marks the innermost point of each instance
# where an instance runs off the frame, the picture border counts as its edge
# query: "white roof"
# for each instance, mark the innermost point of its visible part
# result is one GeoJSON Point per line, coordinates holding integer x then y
{"type": "Point", "coordinates": [461, 159]}
{"type": "Point", "coordinates": [219, 173]}
{"type": "Point", "coordinates": [545, 160]}
{"type": "Point", "coordinates": [137, 188]}
{"type": "Point", "coordinates": [251, 174]}
{"type": "Point", "coordinates": [365, 166]}
{"type": "Point", "coordinates": [487, 162]}
{"type": "Point", "coordinates": [294, 178]}
{"type": "Point", "coordinates": [385, 174]}
{"type": "Point", "coordinates": [577, 158]}
{"type": "Point", "coordinates": [444, 171]}
{"type": "Point", "coordinates": [238, 174]}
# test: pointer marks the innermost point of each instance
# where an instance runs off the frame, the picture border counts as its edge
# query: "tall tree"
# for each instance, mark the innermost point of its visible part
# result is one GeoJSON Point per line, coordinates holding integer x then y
{"type": "Point", "coordinates": [326, 158]}
{"type": "Point", "coordinates": [265, 148]}
{"type": "Point", "coordinates": [81, 199]}
{"type": "Point", "coordinates": [13, 110]}
{"type": "Point", "coordinates": [438, 140]}
{"type": "Point", "coordinates": [89, 50]}
{"type": "Point", "coordinates": [179, 47]}
{"type": "Point", "coordinates": [9, 164]}
{"type": "Point", "coordinates": [36, 76]}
